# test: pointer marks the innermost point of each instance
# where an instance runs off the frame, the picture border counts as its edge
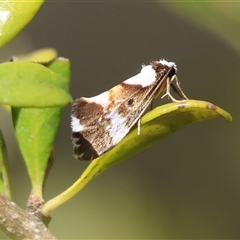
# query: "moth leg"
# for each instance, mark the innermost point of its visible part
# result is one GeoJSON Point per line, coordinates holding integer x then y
{"type": "Point", "coordinates": [168, 91]}
{"type": "Point", "coordinates": [139, 126]}
{"type": "Point", "coordinates": [179, 87]}
{"type": "Point", "coordinates": [169, 81]}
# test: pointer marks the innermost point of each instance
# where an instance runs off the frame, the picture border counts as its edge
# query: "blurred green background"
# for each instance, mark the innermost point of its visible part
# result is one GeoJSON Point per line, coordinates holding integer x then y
{"type": "Point", "coordinates": [185, 187]}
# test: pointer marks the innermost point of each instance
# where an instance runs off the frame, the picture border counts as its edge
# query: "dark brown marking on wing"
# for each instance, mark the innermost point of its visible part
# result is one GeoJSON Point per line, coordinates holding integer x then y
{"type": "Point", "coordinates": [130, 101]}
{"type": "Point", "coordinates": [82, 148]}
{"type": "Point", "coordinates": [93, 139]}
{"type": "Point", "coordinates": [162, 70]}
{"type": "Point", "coordinates": [82, 109]}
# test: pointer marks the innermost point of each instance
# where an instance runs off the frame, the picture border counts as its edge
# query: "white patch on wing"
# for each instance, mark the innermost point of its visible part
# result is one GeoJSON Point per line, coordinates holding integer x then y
{"type": "Point", "coordinates": [117, 129]}
{"type": "Point", "coordinates": [145, 78]}
{"type": "Point", "coordinates": [101, 99]}
{"type": "Point", "coordinates": [76, 125]}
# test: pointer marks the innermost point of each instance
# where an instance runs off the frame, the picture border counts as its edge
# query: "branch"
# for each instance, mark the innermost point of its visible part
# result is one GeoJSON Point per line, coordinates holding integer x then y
{"type": "Point", "coordinates": [18, 224]}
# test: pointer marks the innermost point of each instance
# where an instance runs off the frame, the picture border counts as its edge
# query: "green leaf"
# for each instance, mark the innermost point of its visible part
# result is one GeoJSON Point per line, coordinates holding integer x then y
{"type": "Point", "coordinates": [212, 15]}
{"type": "Point", "coordinates": [36, 130]}
{"type": "Point", "coordinates": [4, 176]}
{"type": "Point", "coordinates": [15, 15]}
{"type": "Point", "coordinates": [156, 125]}
{"type": "Point", "coordinates": [27, 84]}
{"type": "Point", "coordinates": [44, 55]}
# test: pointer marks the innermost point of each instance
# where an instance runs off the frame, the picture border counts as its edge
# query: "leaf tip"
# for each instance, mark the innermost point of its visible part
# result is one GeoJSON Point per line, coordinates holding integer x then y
{"type": "Point", "coordinates": [223, 113]}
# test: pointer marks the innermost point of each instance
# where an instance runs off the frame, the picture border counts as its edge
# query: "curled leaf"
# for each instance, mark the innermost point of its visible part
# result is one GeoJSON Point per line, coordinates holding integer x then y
{"type": "Point", "coordinates": [156, 125]}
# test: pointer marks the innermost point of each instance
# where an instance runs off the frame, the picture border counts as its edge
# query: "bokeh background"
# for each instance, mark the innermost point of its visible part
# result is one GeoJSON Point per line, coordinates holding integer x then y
{"type": "Point", "coordinates": [185, 187]}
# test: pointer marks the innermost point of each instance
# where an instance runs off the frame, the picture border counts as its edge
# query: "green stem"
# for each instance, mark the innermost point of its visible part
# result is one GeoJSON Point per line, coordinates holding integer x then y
{"type": "Point", "coordinates": [88, 175]}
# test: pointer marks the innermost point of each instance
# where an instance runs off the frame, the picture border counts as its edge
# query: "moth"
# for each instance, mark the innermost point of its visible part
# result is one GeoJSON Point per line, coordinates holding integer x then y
{"type": "Point", "coordinates": [101, 122]}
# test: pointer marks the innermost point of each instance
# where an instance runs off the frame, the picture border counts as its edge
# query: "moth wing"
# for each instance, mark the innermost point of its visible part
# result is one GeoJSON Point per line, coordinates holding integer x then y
{"type": "Point", "coordinates": [100, 122]}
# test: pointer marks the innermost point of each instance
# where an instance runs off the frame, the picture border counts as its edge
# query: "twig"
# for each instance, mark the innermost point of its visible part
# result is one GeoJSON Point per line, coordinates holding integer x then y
{"type": "Point", "coordinates": [18, 224]}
